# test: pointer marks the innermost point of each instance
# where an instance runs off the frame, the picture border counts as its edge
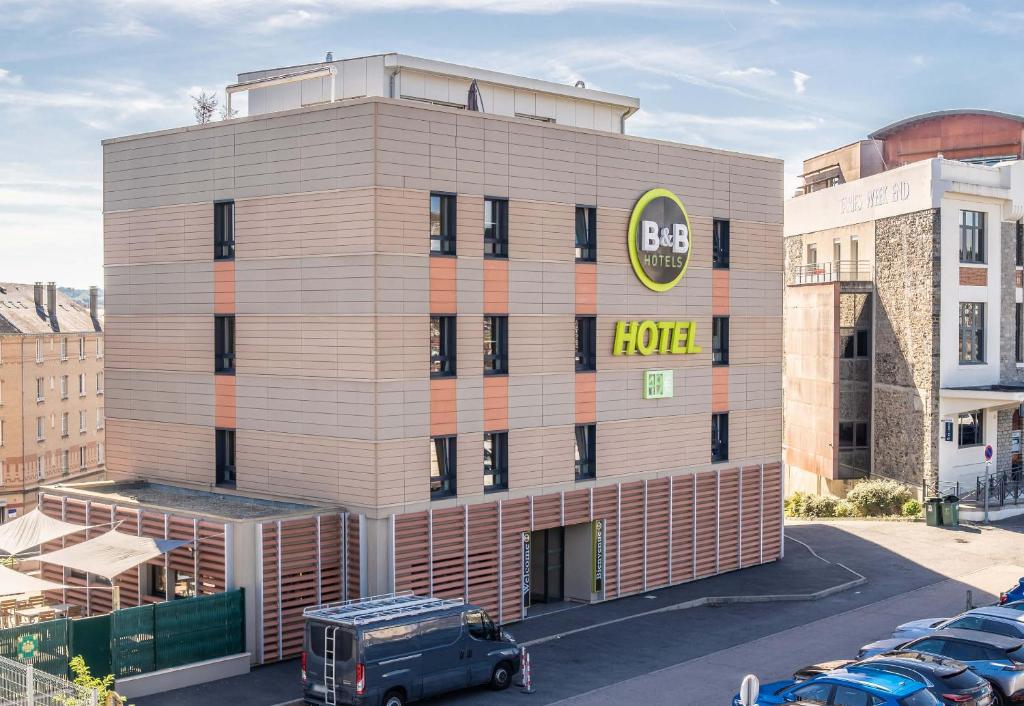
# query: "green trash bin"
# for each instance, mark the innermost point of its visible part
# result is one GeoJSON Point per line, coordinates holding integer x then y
{"type": "Point", "coordinates": [933, 512]}
{"type": "Point", "coordinates": [951, 511]}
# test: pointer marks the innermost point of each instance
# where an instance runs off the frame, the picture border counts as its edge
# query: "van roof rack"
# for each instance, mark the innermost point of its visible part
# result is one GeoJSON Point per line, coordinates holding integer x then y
{"type": "Point", "coordinates": [374, 609]}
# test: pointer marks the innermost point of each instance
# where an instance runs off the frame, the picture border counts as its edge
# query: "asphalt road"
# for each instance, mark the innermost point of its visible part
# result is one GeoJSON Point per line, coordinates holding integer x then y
{"type": "Point", "coordinates": [630, 652]}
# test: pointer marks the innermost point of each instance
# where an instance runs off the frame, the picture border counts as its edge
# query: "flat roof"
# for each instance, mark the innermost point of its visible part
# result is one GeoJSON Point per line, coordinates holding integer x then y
{"type": "Point", "coordinates": [176, 499]}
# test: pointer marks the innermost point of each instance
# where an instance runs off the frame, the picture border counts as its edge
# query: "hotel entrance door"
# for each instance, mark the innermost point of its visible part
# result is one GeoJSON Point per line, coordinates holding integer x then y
{"type": "Point", "coordinates": [547, 560]}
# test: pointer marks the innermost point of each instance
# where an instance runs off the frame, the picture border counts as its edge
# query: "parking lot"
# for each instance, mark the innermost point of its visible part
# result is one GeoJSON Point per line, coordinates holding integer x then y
{"type": "Point", "coordinates": [640, 650]}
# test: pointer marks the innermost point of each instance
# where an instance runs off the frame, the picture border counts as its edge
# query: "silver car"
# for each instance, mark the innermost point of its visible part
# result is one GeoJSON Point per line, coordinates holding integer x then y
{"type": "Point", "coordinates": [997, 658]}
{"type": "Point", "coordinates": [994, 619]}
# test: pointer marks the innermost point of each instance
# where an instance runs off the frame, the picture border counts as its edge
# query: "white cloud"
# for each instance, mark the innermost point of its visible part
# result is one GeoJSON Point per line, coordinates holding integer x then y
{"type": "Point", "coordinates": [800, 81]}
{"type": "Point", "coordinates": [9, 78]}
{"type": "Point", "coordinates": [752, 72]}
{"type": "Point", "coordinates": [668, 120]}
{"type": "Point", "coordinates": [293, 19]}
{"type": "Point", "coordinates": [129, 28]}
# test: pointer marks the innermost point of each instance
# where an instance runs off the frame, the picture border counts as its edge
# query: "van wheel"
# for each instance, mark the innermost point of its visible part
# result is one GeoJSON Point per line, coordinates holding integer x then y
{"type": "Point", "coordinates": [394, 698]}
{"type": "Point", "coordinates": [501, 678]}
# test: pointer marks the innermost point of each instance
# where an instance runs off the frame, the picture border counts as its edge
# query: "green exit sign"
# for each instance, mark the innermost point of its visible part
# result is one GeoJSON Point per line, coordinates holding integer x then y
{"type": "Point", "coordinates": [657, 384]}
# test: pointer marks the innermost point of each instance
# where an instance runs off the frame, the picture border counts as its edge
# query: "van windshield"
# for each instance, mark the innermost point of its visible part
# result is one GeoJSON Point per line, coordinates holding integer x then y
{"type": "Point", "coordinates": [343, 642]}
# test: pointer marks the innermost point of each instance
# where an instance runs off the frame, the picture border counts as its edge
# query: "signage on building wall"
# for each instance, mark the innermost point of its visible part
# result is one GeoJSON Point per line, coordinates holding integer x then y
{"type": "Point", "coordinates": [659, 239]}
{"type": "Point", "coordinates": [597, 537]}
{"type": "Point", "coordinates": [650, 337]}
{"type": "Point", "coordinates": [878, 196]}
{"type": "Point", "coordinates": [657, 384]}
{"type": "Point", "coordinates": [947, 429]}
{"type": "Point", "coordinates": [525, 587]}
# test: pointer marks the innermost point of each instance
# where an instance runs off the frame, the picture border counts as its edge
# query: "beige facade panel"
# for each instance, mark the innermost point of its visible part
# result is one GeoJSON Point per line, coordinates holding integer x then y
{"type": "Point", "coordinates": [541, 344]}
{"type": "Point", "coordinates": [620, 394]}
{"type": "Point", "coordinates": [317, 406]}
{"type": "Point", "coordinates": [301, 346]}
{"type": "Point", "coordinates": [754, 387]}
{"type": "Point", "coordinates": [313, 286]}
{"type": "Point", "coordinates": [159, 289]}
{"type": "Point", "coordinates": [542, 230]}
{"type": "Point", "coordinates": [155, 235]}
{"type": "Point", "coordinates": [755, 292]}
{"type": "Point", "coordinates": [403, 284]}
{"type": "Point", "coordinates": [162, 452]}
{"type": "Point", "coordinates": [403, 409]}
{"type": "Point", "coordinates": [620, 293]}
{"type": "Point", "coordinates": [160, 396]}
{"type": "Point", "coordinates": [402, 478]}
{"type": "Point", "coordinates": [401, 347]}
{"type": "Point", "coordinates": [172, 343]}
{"type": "Point", "coordinates": [753, 340]}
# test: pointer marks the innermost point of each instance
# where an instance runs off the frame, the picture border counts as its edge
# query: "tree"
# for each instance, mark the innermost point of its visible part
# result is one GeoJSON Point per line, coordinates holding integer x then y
{"type": "Point", "coordinates": [84, 678]}
{"type": "Point", "coordinates": [204, 106]}
{"type": "Point", "coordinates": [225, 114]}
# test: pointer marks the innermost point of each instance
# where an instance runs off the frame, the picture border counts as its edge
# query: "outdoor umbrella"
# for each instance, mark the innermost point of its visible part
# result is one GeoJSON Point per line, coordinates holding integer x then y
{"type": "Point", "coordinates": [32, 530]}
{"type": "Point", "coordinates": [111, 553]}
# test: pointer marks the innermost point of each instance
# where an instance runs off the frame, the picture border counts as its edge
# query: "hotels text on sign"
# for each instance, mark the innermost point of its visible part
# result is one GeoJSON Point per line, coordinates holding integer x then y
{"type": "Point", "coordinates": [659, 239]}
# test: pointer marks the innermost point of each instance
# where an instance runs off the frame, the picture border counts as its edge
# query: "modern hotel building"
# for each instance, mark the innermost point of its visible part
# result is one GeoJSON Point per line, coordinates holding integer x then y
{"type": "Point", "coordinates": [528, 357]}
{"type": "Point", "coordinates": [904, 259]}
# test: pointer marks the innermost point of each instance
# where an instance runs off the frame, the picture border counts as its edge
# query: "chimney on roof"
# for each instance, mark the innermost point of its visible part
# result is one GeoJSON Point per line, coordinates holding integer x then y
{"type": "Point", "coordinates": [51, 303]}
{"type": "Point", "coordinates": [94, 295]}
{"type": "Point", "coordinates": [37, 296]}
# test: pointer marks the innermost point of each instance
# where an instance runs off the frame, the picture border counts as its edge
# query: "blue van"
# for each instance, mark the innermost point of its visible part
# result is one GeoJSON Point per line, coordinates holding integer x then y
{"type": "Point", "coordinates": [399, 648]}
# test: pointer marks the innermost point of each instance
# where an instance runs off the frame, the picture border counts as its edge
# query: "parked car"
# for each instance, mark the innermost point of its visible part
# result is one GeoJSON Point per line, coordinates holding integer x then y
{"type": "Point", "coordinates": [950, 681]}
{"type": "Point", "coordinates": [843, 688]}
{"type": "Point", "coordinates": [393, 650]}
{"type": "Point", "coordinates": [998, 620]}
{"type": "Point", "coordinates": [997, 658]}
{"type": "Point", "coordinates": [1014, 594]}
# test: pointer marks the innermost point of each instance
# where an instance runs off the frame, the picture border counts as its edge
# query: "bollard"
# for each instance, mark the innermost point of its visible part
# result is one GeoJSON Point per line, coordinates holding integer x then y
{"type": "Point", "coordinates": [970, 600]}
{"type": "Point", "coordinates": [527, 676]}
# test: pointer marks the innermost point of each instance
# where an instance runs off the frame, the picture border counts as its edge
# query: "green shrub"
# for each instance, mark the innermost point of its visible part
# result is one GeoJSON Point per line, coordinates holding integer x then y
{"type": "Point", "coordinates": [844, 508]}
{"type": "Point", "coordinates": [820, 506]}
{"type": "Point", "coordinates": [878, 497]}
{"type": "Point", "coordinates": [794, 504]}
{"type": "Point", "coordinates": [911, 508]}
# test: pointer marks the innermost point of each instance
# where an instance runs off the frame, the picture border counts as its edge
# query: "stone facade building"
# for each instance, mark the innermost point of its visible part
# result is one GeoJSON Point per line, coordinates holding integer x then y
{"type": "Point", "coordinates": [920, 254]}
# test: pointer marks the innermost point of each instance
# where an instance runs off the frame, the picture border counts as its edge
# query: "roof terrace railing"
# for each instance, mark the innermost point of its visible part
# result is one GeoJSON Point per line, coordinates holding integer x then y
{"type": "Point", "coordinates": [841, 271]}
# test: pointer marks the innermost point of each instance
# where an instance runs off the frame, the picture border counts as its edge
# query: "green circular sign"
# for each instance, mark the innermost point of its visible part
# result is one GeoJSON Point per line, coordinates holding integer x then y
{"type": "Point", "coordinates": [28, 645]}
{"type": "Point", "coordinates": [659, 239]}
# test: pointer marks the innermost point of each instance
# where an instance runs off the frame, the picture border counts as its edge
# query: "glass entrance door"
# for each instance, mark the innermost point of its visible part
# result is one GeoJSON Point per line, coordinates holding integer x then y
{"type": "Point", "coordinates": [547, 559]}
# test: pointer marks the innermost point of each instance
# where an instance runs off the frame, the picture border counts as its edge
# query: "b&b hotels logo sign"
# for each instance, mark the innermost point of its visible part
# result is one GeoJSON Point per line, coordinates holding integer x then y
{"type": "Point", "coordinates": [659, 250]}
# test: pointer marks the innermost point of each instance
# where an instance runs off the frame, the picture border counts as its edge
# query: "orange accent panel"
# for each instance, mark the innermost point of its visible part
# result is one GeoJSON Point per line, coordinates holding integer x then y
{"type": "Point", "coordinates": [1019, 278]}
{"type": "Point", "coordinates": [224, 287]}
{"type": "Point", "coordinates": [495, 402]}
{"type": "Point", "coordinates": [720, 389]}
{"type": "Point", "coordinates": [442, 285]}
{"type": "Point", "coordinates": [495, 286]}
{"type": "Point", "coordinates": [586, 288]}
{"type": "Point", "coordinates": [974, 276]}
{"type": "Point", "coordinates": [720, 292]}
{"type": "Point", "coordinates": [442, 407]}
{"type": "Point", "coordinates": [224, 401]}
{"type": "Point", "coordinates": [586, 398]}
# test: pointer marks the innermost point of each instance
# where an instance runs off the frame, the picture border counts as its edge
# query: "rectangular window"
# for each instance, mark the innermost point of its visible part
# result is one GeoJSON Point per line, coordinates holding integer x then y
{"type": "Point", "coordinates": [65, 462]}
{"type": "Point", "coordinates": [586, 343]}
{"type": "Point", "coordinates": [853, 435]}
{"type": "Point", "coordinates": [63, 387]}
{"type": "Point", "coordinates": [40, 428]}
{"type": "Point", "coordinates": [719, 437]}
{"type": "Point", "coordinates": [442, 467]}
{"type": "Point", "coordinates": [100, 457]}
{"type": "Point", "coordinates": [39, 350]}
{"type": "Point", "coordinates": [495, 461]}
{"type": "Point", "coordinates": [442, 224]}
{"type": "Point", "coordinates": [64, 348]}
{"type": "Point", "coordinates": [81, 457]}
{"type": "Point", "coordinates": [720, 244]}
{"type": "Point", "coordinates": [99, 346]}
{"type": "Point", "coordinates": [837, 254]}
{"type": "Point", "coordinates": [226, 457]}
{"type": "Point", "coordinates": [224, 344]}
{"type": "Point", "coordinates": [856, 344]}
{"type": "Point", "coordinates": [83, 423]}
{"type": "Point", "coordinates": [812, 254]}
{"type": "Point", "coordinates": [224, 230]}
{"type": "Point", "coordinates": [972, 332]}
{"type": "Point", "coordinates": [99, 418]}
{"type": "Point", "coordinates": [971, 428]}
{"type": "Point", "coordinates": [720, 340]}
{"type": "Point", "coordinates": [442, 346]}
{"type": "Point", "coordinates": [99, 383]}
{"type": "Point", "coordinates": [586, 451]}
{"type": "Point", "coordinates": [81, 385]}
{"type": "Point", "coordinates": [64, 424]}
{"type": "Point", "coordinates": [972, 236]}
{"type": "Point", "coordinates": [1, 432]}
{"type": "Point", "coordinates": [495, 228]}
{"type": "Point", "coordinates": [495, 345]}
{"type": "Point", "coordinates": [586, 233]}
{"type": "Point", "coordinates": [40, 389]}
{"type": "Point", "coordinates": [81, 348]}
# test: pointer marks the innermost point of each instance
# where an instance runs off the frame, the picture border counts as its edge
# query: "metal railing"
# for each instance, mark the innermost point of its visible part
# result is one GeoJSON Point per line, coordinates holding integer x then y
{"type": "Point", "coordinates": [1004, 487]}
{"type": "Point", "coordinates": [841, 271]}
{"type": "Point", "coordinates": [23, 685]}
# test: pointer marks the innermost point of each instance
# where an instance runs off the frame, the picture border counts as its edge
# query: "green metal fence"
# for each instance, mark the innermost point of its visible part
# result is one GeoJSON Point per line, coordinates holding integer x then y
{"type": "Point", "coordinates": [139, 640]}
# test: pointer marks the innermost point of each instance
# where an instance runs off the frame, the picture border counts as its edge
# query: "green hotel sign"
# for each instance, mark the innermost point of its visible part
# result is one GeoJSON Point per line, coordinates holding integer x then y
{"type": "Point", "coordinates": [659, 239]}
{"type": "Point", "coordinates": [657, 384]}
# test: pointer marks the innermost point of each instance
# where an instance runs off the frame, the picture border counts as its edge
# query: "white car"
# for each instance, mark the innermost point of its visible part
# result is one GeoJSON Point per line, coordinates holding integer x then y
{"type": "Point", "coordinates": [991, 619]}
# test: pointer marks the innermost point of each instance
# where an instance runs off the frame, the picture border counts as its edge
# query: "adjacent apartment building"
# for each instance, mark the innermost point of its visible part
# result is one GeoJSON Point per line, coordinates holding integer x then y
{"type": "Point", "coordinates": [530, 358]}
{"type": "Point", "coordinates": [904, 355]}
{"type": "Point", "coordinates": [51, 392]}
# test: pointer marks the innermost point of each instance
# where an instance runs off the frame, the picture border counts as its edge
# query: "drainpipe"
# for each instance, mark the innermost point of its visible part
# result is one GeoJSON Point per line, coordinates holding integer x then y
{"type": "Point", "coordinates": [391, 83]}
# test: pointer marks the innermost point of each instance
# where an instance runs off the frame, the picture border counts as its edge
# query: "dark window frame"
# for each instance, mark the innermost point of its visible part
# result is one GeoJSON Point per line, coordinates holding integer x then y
{"type": "Point", "coordinates": [972, 237]}
{"type": "Point", "coordinates": [720, 340]}
{"type": "Point", "coordinates": [719, 437]}
{"type": "Point", "coordinates": [720, 241]}
{"type": "Point", "coordinates": [496, 340]}
{"type": "Point", "coordinates": [856, 345]}
{"type": "Point", "coordinates": [586, 233]}
{"type": "Point", "coordinates": [443, 361]}
{"type": "Point", "coordinates": [444, 449]}
{"type": "Point", "coordinates": [226, 444]}
{"type": "Point", "coordinates": [496, 461]}
{"type": "Point", "coordinates": [224, 344]}
{"type": "Point", "coordinates": [496, 234]}
{"type": "Point", "coordinates": [586, 344]}
{"type": "Point", "coordinates": [224, 230]}
{"type": "Point", "coordinates": [586, 459]}
{"type": "Point", "coordinates": [854, 436]}
{"type": "Point", "coordinates": [443, 243]}
{"type": "Point", "coordinates": [972, 333]}
{"type": "Point", "coordinates": [976, 435]}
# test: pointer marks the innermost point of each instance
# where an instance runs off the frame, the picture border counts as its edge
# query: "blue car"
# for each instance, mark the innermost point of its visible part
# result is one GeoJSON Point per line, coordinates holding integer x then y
{"type": "Point", "coordinates": [1014, 594]}
{"type": "Point", "coordinates": [843, 688]}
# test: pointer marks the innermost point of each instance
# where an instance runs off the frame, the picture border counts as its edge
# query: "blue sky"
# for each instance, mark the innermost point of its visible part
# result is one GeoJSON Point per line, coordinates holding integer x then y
{"type": "Point", "coordinates": [788, 78]}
